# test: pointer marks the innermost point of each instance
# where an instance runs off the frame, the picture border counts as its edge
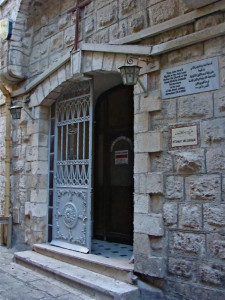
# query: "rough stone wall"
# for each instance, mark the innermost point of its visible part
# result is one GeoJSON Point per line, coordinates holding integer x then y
{"type": "Point", "coordinates": [179, 194]}
{"type": "Point", "coordinates": [29, 177]}
{"type": "Point", "coordinates": [53, 31]}
{"type": "Point", "coordinates": [106, 21]}
{"type": "Point", "coordinates": [193, 202]}
{"type": "Point", "coordinates": [44, 32]}
{"type": "Point", "coordinates": [9, 10]}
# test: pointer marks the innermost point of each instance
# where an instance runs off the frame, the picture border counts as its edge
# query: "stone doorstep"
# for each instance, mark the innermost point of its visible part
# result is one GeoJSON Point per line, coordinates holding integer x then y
{"type": "Point", "coordinates": [111, 267]}
{"type": "Point", "coordinates": [96, 285]}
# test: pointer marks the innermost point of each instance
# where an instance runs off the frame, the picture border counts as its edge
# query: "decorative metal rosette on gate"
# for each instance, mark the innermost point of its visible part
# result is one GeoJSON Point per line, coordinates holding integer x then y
{"type": "Point", "coordinates": [70, 215]}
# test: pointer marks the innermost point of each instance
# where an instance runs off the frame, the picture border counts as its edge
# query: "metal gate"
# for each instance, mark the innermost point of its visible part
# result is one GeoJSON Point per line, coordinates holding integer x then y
{"type": "Point", "coordinates": [72, 170]}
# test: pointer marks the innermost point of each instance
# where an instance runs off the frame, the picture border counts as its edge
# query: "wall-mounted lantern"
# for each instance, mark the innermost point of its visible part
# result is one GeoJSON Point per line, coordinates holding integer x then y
{"type": "Point", "coordinates": [130, 74]}
{"type": "Point", "coordinates": [16, 110]}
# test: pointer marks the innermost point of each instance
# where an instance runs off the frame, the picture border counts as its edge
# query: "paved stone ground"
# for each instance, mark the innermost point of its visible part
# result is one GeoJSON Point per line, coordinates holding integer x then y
{"type": "Point", "coordinates": [19, 283]}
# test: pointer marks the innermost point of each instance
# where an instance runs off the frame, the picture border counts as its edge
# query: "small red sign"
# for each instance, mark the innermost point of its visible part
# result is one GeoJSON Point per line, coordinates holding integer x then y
{"type": "Point", "coordinates": [121, 157]}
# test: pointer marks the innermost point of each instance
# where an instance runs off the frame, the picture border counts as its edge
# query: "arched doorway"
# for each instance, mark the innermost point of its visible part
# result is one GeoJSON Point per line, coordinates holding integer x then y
{"type": "Point", "coordinates": [113, 166]}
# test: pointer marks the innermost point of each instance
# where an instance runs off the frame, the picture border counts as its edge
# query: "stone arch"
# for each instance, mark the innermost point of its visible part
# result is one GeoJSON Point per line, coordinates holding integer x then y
{"type": "Point", "coordinates": [82, 66]}
{"type": "Point", "coordinates": [50, 88]}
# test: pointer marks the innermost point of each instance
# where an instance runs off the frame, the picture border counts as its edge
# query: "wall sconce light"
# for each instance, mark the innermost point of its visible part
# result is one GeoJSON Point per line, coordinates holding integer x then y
{"type": "Point", "coordinates": [130, 74]}
{"type": "Point", "coordinates": [15, 111]}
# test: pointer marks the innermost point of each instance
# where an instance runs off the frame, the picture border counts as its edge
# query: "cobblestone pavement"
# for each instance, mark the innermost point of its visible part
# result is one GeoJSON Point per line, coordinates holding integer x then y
{"type": "Point", "coordinates": [19, 283]}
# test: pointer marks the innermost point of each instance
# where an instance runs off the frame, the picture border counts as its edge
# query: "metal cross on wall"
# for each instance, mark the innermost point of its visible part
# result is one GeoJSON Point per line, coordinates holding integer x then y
{"type": "Point", "coordinates": [79, 5]}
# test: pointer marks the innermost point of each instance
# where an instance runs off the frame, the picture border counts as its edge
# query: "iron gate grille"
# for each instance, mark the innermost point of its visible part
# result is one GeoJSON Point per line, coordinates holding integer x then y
{"type": "Point", "coordinates": [72, 169]}
{"type": "Point", "coordinates": [72, 165]}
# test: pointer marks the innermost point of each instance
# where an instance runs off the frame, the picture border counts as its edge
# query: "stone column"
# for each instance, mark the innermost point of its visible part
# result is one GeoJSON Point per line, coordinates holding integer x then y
{"type": "Point", "coordinates": [37, 163]}
{"type": "Point", "coordinates": [148, 190]}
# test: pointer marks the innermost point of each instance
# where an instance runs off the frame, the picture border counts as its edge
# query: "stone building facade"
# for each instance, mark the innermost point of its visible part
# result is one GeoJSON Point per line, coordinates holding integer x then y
{"type": "Point", "coordinates": [178, 194]}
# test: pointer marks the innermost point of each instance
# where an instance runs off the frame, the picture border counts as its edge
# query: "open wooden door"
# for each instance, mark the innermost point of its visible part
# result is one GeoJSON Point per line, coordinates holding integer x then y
{"type": "Point", "coordinates": [113, 180]}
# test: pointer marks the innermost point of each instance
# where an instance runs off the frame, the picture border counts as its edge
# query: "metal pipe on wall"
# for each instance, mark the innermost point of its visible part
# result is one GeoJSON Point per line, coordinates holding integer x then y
{"type": "Point", "coordinates": [7, 95]}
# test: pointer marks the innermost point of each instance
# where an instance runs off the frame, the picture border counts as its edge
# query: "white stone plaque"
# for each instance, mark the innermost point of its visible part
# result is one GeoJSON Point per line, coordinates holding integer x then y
{"type": "Point", "coordinates": [183, 136]}
{"type": "Point", "coordinates": [197, 77]}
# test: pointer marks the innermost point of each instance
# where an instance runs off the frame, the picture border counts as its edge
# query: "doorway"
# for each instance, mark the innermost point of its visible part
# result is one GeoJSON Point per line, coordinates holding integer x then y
{"type": "Point", "coordinates": [113, 166]}
{"type": "Point", "coordinates": [70, 164]}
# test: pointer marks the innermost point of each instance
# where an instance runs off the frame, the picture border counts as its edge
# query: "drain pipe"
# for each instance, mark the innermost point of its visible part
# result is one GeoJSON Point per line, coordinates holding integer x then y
{"type": "Point", "coordinates": [7, 95]}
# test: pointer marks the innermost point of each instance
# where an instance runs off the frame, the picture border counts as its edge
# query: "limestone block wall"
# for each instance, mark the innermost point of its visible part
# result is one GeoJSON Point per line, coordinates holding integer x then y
{"type": "Point", "coordinates": [10, 10]}
{"type": "Point", "coordinates": [106, 21]}
{"type": "Point", "coordinates": [29, 177]}
{"type": "Point", "coordinates": [179, 212]}
{"type": "Point", "coordinates": [44, 32]}
{"type": "Point", "coordinates": [53, 31]}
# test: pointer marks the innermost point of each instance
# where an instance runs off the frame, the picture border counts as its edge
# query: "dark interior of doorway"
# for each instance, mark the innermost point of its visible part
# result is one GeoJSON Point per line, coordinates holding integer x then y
{"type": "Point", "coordinates": [113, 166]}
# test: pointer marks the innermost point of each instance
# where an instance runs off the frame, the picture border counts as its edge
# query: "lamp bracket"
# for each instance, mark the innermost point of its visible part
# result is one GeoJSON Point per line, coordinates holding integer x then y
{"type": "Point", "coordinates": [27, 112]}
{"type": "Point", "coordinates": [27, 100]}
{"type": "Point", "coordinates": [130, 60]}
{"type": "Point", "coordinates": [143, 87]}
{"type": "Point", "coordinates": [129, 63]}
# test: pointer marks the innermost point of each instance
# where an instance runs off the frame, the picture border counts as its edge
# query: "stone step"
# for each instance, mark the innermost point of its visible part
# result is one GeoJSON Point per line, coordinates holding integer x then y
{"type": "Point", "coordinates": [112, 267]}
{"type": "Point", "coordinates": [95, 285]}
